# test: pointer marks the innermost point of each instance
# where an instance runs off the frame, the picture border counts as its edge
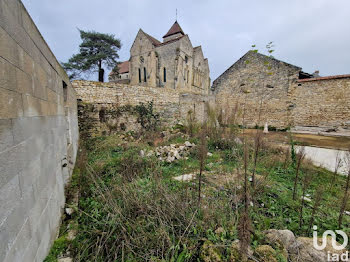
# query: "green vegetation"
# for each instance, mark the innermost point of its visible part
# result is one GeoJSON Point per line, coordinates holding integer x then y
{"type": "Point", "coordinates": [131, 208]}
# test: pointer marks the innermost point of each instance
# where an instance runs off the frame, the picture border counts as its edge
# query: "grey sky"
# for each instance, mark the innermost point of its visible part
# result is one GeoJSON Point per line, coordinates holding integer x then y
{"type": "Point", "coordinates": [312, 34]}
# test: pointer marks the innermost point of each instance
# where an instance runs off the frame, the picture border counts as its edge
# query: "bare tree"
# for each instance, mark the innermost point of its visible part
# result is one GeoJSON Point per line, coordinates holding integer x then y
{"type": "Point", "coordinates": [244, 225]}
{"type": "Point", "coordinates": [338, 164]}
{"type": "Point", "coordinates": [300, 157]}
{"type": "Point", "coordinates": [257, 146]}
{"type": "Point", "coordinates": [306, 183]}
{"type": "Point", "coordinates": [202, 157]}
{"type": "Point", "coordinates": [317, 202]}
{"type": "Point", "coordinates": [346, 191]}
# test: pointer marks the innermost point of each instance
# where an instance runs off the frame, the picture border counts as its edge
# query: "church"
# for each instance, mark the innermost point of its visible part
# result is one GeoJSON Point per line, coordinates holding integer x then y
{"type": "Point", "coordinates": [173, 63]}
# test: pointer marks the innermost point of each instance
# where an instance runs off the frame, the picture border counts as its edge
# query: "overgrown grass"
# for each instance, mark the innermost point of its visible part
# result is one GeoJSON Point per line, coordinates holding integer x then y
{"type": "Point", "coordinates": [131, 209]}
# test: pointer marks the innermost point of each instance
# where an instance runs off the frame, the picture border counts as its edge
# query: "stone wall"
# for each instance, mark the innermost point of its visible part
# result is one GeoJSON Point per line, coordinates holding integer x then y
{"type": "Point", "coordinates": [97, 100]}
{"type": "Point", "coordinates": [38, 137]}
{"type": "Point", "coordinates": [321, 102]}
{"type": "Point", "coordinates": [255, 89]}
{"type": "Point", "coordinates": [261, 89]}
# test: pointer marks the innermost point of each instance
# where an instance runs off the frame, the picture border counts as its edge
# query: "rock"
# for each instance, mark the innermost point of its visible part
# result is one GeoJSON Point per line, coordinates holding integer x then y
{"type": "Point", "coordinates": [142, 153]}
{"type": "Point", "coordinates": [150, 153]}
{"type": "Point", "coordinates": [219, 230]}
{"type": "Point", "coordinates": [236, 253]}
{"type": "Point", "coordinates": [65, 259]}
{"type": "Point", "coordinates": [347, 213]}
{"type": "Point", "coordinates": [238, 141]}
{"type": "Point", "coordinates": [306, 199]}
{"type": "Point", "coordinates": [71, 235]}
{"type": "Point", "coordinates": [177, 155]}
{"type": "Point", "coordinates": [188, 144]}
{"type": "Point", "coordinates": [280, 238]}
{"type": "Point", "coordinates": [303, 250]}
{"type": "Point", "coordinates": [265, 253]}
{"type": "Point", "coordinates": [210, 253]}
{"type": "Point", "coordinates": [69, 211]}
{"type": "Point", "coordinates": [209, 154]}
{"type": "Point", "coordinates": [186, 177]}
{"type": "Point", "coordinates": [170, 159]}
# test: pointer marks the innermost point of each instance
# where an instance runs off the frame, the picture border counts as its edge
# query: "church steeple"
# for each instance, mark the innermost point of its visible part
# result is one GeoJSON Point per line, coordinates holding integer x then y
{"type": "Point", "coordinates": [175, 31]}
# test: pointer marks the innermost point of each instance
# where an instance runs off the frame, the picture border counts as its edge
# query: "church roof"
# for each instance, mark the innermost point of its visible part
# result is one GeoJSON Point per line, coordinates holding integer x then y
{"type": "Point", "coordinates": [176, 28]}
{"type": "Point", "coordinates": [154, 41]}
{"type": "Point", "coordinates": [123, 67]}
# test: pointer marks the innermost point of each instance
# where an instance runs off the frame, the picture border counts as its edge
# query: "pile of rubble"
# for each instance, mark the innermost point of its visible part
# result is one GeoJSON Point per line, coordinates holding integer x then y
{"type": "Point", "coordinates": [170, 153]}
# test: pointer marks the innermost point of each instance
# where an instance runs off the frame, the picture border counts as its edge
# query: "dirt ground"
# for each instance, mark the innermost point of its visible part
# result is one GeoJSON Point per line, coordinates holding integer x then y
{"type": "Point", "coordinates": [331, 142]}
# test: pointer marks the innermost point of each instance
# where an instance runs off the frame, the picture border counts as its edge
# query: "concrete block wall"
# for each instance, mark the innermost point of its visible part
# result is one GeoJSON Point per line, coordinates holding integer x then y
{"type": "Point", "coordinates": [38, 137]}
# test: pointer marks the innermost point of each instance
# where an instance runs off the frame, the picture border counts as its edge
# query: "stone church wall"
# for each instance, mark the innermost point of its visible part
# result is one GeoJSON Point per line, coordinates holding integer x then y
{"type": "Point", "coordinates": [38, 137]}
{"type": "Point", "coordinates": [98, 103]}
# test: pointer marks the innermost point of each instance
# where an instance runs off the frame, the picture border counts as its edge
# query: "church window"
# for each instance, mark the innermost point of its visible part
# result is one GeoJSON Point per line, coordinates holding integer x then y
{"type": "Point", "coordinates": [186, 59]}
{"type": "Point", "coordinates": [144, 75]}
{"type": "Point", "coordinates": [164, 74]}
{"type": "Point", "coordinates": [139, 75]}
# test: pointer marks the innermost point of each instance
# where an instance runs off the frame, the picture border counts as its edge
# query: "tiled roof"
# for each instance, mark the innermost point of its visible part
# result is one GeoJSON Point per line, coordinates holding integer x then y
{"type": "Point", "coordinates": [171, 41]}
{"type": "Point", "coordinates": [176, 28]}
{"type": "Point", "coordinates": [153, 40]}
{"type": "Point", "coordinates": [123, 68]}
{"type": "Point", "coordinates": [324, 78]}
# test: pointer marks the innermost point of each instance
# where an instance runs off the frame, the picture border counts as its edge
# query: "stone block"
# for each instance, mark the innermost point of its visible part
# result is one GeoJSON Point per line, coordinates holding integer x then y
{"type": "Point", "coordinates": [7, 75]}
{"type": "Point", "coordinates": [33, 106]}
{"type": "Point", "coordinates": [10, 104]}
{"type": "Point", "coordinates": [8, 47]}
{"type": "Point", "coordinates": [25, 83]}
{"type": "Point", "coordinates": [26, 63]}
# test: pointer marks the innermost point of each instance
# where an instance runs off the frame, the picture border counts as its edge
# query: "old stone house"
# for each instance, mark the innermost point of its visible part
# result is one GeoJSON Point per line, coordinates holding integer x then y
{"type": "Point", "coordinates": [121, 75]}
{"type": "Point", "coordinates": [173, 63]}
{"type": "Point", "coordinates": [259, 89]}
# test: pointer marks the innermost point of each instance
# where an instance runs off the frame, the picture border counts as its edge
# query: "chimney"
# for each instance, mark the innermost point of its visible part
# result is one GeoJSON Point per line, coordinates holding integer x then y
{"type": "Point", "coordinates": [316, 73]}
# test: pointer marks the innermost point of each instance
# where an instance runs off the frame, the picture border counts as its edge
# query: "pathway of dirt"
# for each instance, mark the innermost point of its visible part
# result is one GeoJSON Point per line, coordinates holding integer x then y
{"type": "Point", "coordinates": [342, 143]}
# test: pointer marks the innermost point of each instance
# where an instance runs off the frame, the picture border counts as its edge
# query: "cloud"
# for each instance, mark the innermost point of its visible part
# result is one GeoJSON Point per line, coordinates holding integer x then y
{"type": "Point", "coordinates": [311, 34]}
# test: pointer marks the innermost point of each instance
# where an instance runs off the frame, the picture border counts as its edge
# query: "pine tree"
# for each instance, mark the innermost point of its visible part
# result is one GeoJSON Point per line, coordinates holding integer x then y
{"type": "Point", "coordinates": [95, 51]}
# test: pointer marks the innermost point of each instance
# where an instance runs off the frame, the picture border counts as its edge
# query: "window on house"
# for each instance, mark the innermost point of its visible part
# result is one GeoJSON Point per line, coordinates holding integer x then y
{"type": "Point", "coordinates": [65, 91]}
{"type": "Point", "coordinates": [164, 74]}
{"type": "Point", "coordinates": [186, 59]}
{"type": "Point", "coordinates": [144, 74]}
{"type": "Point", "coordinates": [139, 75]}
